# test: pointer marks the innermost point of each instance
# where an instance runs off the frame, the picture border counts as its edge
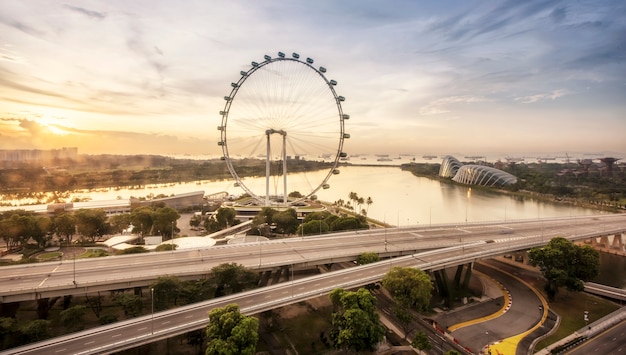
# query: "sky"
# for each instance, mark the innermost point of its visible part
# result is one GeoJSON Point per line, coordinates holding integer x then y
{"type": "Point", "coordinates": [419, 77]}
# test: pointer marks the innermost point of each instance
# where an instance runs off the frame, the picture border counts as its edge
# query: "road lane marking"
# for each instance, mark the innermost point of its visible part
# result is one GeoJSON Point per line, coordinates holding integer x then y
{"type": "Point", "coordinates": [61, 350]}
{"type": "Point", "coordinates": [144, 328]}
{"type": "Point", "coordinates": [89, 342]}
{"type": "Point", "coordinates": [165, 322]}
{"type": "Point", "coordinates": [116, 335]}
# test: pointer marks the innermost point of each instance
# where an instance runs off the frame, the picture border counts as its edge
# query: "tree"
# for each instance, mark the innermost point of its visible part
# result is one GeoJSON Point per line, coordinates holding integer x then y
{"type": "Point", "coordinates": [131, 304]}
{"type": "Point", "coordinates": [356, 325]}
{"type": "Point", "coordinates": [421, 342]}
{"type": "Point", "coordinates": [166, 292]}
{"type": "Point", "coordinates": [409, 287]}
{"type": "Point", "coordinates": [230, 333]}
{"type": "Point", "coordinates": [313, 228]}
{"type": "Point", "coordinates": [367, 258]}
{"type": "Point", "coordinates": [232, 278]}
{"type": "Point", "coordinates": [7, 327]}
{"type": "Point", "coordinates": [369, 201]}
{"type": "Point", "coordinates": [286, 221]}
{"type": "Point", "coordinates": [193, 291]}
{"type": "Point", "coordinates": [91, 223]}
{"type": "Point", "coordinates": [142, 220]}
{"type": "Point", "coordinates": [164, 220]}
{"type": "Point", "coordinates": [72, 317]}
{"type": "Point", "coordinates": [40, 229]}
{"type": "Point", "coordinates": [36, 330]}
{"type": "Point", "coordinates": [65, 226]}
{"type": "Point", "coordinates": [565, 264]}
{"type": "Point", "coordinates": [347, 223]}
{"type": "Point", "coordinates": [119, 222]}
{"type": "Point", "coordinates": [166, 247]}
{"type": "Point", "coordinates": [225, 217]}
{"type": "Point", "coordinates": [133, 250]}
{"type": "Point", "coordinates": [95, 304]}
{"type": "Point", "coordinates": [264, 218]}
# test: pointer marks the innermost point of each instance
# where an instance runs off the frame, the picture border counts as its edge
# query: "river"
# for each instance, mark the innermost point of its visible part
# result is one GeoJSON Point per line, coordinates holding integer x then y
{"type": "Point", "coordinates": [399, 198]}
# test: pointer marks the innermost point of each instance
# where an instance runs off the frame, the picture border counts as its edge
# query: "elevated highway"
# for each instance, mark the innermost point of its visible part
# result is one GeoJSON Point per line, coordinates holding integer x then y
{"type": "Point", "coordinates": [441, 247]}
{"type": "Point", "coordinates": [84, 276]}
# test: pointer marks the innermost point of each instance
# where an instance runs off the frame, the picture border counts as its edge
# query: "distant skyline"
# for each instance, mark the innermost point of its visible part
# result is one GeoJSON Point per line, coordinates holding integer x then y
{"type": "Point", "coordinates": [458, 77]}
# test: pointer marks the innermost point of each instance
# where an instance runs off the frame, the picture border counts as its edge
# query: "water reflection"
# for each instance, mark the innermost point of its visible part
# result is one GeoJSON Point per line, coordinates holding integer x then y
{"type": "Point", "coordinates": [399, 197]}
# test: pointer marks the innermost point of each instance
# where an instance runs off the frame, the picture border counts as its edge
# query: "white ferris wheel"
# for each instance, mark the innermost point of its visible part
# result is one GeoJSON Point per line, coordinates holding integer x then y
{"type": "Point", "coordinates": [282, 113]}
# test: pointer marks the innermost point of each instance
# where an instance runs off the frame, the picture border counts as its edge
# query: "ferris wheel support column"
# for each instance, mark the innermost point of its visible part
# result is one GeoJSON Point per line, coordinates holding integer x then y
{"type": "Point", "coordinates": [285, 167]}
{"type": "Point", "coordinates": [267, 170]}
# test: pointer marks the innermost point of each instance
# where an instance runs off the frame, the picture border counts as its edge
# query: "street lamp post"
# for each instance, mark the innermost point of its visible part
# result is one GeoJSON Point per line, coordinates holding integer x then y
{"type": "Point", "coordinates": [74, 255]}
{"type": "Point", "coordinates": [487, 345]}
{"type": "Point", "coordinates": [152, 313]}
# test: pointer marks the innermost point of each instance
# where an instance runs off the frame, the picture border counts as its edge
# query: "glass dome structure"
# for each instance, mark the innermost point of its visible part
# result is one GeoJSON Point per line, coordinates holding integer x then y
{"type": "Point", "coordinates": [483, 175]}
{"type": "Point", "coordinates": [449, 166]}
{"type": "Point", "coordinates": [473, 174]}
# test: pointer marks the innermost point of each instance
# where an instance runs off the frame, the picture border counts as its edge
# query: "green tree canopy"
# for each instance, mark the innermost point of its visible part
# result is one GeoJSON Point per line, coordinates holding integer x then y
{"type": "Point", "coordinates": [313, 227]}
{"type": "Point", "coordinates": [232, 278]}
{"type": "Point", "coordinates": [421, 342]}
{"type": "Point", "coordinates": [409, 287]}
{"type": "Point", "coordinates": [65, 226]}
{"type": "Point", "coordinates": [367, 258]}
{"type": "Point", "coordinates": [131, 304]}
{"type": "Point", "coordinates": [20, 226]}
{"type": "Point", "coordinates": [356, 324]}
{"type": "Point", "coordinates": [164, 221]}
{"type": "Point", "coordinates": [286, 221]}
{"type": "Point", "coordinates": [142, 220]}
{"type": "Point", "coordinates": [72, 317]}
{"type": "Point", "coordinates": [231, 333]}
{"type": "Point", "coordinates": [36, 330]}
{"type": "Point", "coordinates": [166, 292]}
{"type": "Point", "coordinates": [119, 222]}
{"type": "Point", "coordinates": [91, 223]}
{"type": "Point", "coordinates": [565, 264]}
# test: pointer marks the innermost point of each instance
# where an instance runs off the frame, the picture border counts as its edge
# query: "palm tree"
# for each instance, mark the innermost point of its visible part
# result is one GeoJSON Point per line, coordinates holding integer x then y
{"type": "Point", "coordinates": [368, 202]}
{"type": "Point", "coordinates": [353, 197]}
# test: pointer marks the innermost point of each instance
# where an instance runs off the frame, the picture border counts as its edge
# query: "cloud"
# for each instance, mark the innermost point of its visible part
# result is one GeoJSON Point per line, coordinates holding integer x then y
{"type": "Point", "coordinates": [442, 105]}
{"type": "Point", "coordinates": [89, 13]}
{"type": "Point", "coordinates": [542, 97]}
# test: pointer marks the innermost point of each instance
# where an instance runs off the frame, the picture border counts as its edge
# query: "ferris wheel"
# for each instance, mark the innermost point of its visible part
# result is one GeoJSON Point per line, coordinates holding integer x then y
{"type": "Point", "coordinates": [282, 115]}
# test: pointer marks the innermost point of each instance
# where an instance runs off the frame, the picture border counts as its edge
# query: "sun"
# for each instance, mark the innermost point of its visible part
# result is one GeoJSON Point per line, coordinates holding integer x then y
{"type": "Point", "coordinates": [52, 125]}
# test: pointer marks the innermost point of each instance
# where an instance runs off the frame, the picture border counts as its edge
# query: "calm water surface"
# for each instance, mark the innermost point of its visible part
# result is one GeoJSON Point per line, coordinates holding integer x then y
{"type": "Point", "coordinates": [399, 198]}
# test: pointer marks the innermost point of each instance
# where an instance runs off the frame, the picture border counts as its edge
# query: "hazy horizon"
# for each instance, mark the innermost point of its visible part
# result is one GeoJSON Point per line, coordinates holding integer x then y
{"type": "Point", "coordinates": [479, 78]}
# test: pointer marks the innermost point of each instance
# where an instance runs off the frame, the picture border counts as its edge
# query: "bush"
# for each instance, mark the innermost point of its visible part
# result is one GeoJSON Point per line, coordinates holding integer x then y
{"type": "Point", "coordinates": [133, 250]}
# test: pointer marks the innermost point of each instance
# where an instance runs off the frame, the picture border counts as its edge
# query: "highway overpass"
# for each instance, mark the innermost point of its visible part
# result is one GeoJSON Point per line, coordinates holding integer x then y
{"type": "Point", "coordinates": [84, 276]}
{"type": "Point", "coordinates": [446, 246]}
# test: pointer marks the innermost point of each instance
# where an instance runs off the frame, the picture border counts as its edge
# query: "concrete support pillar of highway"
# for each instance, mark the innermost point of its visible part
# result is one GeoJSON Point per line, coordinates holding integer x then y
{"type": "Point", "coordinates": [441, 280]}
{"type": "Point", "coordinates": [618, 242]}
{"type": "Point", "coordinates": [604, 241]}
{"type": "Point", "coordinates": [264, 278]}
{"type": "Point", "coordinates": [457, 275]}
{"type": "Point", "coordinates": [468, 276]}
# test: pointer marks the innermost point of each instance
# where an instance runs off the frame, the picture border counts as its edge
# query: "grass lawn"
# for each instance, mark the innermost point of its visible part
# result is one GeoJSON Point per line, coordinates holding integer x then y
{"type": "Point", "coordinates": [570, 307]}
{"type": "Point", "coordinates": [304, 331]}
{"type": "Point", "coordinates": [50, 256]}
